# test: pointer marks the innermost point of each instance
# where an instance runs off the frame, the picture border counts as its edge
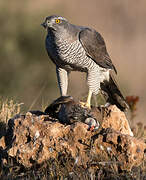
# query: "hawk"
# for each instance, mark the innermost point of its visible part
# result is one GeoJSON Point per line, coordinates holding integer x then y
{"type": "Point", "coordinates": [78, 48]}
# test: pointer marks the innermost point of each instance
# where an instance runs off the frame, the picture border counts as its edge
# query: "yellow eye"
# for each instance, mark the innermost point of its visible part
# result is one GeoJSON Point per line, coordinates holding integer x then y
{"type": "Point", "coordinates": [57, 21]}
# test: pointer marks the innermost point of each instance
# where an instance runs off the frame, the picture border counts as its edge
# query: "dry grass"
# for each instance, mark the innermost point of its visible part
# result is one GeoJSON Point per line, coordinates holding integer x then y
{"type": "Point", "coordinates": [8, 108]}
{"type": "Point", "coordinates": [65, 167]}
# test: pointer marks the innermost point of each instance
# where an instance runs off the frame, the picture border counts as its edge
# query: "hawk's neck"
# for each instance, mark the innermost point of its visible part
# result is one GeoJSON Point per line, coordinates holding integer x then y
{"type": "Point", "coordinates": [69, 33]}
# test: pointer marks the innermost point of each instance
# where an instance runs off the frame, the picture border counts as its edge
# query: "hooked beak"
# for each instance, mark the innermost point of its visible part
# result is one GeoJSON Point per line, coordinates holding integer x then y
{"type": "Point", "coordinates": [44, 25]}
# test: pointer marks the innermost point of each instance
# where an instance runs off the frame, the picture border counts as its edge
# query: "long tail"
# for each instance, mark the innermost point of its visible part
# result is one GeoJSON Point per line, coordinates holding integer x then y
{"type": "Point", "coordinates": [113, 95]}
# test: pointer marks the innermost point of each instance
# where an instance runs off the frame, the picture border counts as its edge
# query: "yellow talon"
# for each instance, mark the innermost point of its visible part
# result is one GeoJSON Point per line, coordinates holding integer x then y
{"type": "Point", "coordinates": [88, 103]}
{"type": "Point", "coordinates": [85, 105]}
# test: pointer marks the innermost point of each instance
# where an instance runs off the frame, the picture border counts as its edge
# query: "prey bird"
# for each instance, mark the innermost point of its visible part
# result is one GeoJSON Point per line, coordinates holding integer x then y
{"type": "Point", "coordinates": [79, 48]}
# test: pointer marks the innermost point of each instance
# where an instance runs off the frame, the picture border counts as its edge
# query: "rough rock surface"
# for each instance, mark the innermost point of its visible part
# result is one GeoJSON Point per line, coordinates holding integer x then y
{"type": "Point", "coordinates": [115, 119]}
{"type": "Point", "coordinates": [61, 131]}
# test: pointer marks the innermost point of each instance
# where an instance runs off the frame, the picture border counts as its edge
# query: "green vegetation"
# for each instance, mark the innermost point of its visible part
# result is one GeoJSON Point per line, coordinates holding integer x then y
{"type": "Point", "coordinates": [25, 67]}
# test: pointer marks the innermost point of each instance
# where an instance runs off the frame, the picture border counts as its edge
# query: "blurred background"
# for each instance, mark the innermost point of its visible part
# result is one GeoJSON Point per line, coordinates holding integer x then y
{"type": "Point", "coordinates": [26, 73]}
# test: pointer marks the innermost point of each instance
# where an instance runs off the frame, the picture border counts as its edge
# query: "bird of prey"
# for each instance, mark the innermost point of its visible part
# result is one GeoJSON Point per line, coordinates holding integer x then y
{"type": "Point", "coordinates": [78, 48]}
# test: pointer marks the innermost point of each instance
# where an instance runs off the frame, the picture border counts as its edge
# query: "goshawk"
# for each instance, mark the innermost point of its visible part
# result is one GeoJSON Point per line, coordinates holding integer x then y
{"type": "Point", "coordinates": [78, 48]}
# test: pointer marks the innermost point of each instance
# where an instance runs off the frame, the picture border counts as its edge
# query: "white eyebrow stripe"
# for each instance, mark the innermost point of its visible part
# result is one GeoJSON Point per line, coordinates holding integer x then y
{"type": "Point", "coordinates": [61, 18]}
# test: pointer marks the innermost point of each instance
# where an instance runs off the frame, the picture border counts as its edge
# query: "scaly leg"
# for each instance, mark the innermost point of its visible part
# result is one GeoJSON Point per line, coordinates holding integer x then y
{"type": "Point", "coordinates": [88, 102]}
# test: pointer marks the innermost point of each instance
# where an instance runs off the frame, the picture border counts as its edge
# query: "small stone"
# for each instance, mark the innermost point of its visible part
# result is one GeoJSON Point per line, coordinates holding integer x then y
{"type": "Point", "coordinates": [138, 150]}
{"type": "Point", "coordinates": [109, 149]}
{"type": "Point", "coordinates": [37, 134]}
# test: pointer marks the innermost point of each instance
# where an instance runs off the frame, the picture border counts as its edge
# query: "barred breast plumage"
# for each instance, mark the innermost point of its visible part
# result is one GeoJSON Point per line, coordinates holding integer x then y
{"type": "Point", "coordinates": [77, 48]}
{"type": "Point", "coordinates": [71, 56]}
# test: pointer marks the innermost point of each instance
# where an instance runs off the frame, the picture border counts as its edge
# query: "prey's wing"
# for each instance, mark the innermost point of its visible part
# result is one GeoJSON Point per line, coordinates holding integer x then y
{"type": "Point", "coordinates": [95, 48]}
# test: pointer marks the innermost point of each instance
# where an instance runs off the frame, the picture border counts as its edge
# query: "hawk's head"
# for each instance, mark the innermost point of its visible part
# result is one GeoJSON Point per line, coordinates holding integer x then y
{"type": "Point", "coordinates": [54, 22]}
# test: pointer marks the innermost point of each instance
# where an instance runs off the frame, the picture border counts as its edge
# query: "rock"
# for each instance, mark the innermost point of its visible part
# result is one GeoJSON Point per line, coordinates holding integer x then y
{"type": "Point", "coordinates": [2, 142]}
{"type": "Point", "coordinates": [61, 132]}
{"type": "Point", "coordinates": [116, 119]}
{"type": "Point", "coordinates": [126, 150]}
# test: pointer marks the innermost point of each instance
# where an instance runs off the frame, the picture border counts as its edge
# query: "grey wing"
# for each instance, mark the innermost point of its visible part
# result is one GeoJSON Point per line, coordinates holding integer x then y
{"type": "Point", "coordinates": [95, 48]}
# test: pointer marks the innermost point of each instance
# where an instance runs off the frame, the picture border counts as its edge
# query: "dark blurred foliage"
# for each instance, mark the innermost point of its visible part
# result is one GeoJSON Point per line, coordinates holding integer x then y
{"type": "Point", "coordinates": [26, 73]}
